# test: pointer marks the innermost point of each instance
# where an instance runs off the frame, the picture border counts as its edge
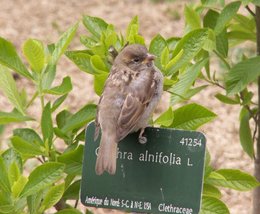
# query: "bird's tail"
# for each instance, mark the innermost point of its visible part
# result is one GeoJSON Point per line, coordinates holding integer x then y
{"type": "Point", "coordinates": [107, 155]}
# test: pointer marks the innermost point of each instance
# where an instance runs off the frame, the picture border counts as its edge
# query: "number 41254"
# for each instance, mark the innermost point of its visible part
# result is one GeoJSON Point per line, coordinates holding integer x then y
{"type": "Point", "coordinates": [186, 141]}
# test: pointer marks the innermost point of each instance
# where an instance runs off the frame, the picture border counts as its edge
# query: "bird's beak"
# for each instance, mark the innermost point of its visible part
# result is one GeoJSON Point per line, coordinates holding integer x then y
{"type": "Point", "coordinates": [149, 58]}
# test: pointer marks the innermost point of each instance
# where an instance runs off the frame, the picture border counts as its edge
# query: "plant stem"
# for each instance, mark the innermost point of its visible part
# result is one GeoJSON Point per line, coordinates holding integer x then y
{"type": "Point", "coordinates": [223, 60]}
{"type": "Point", "coordinates": [41, 97]}
{"type": "Point", "coordinates": [40, 90]}
{"type": "Point", "coordinates": [33, 98]}
{"type": "Point", "coordinates": [256, 194]}
{"type": "Point", "coordinates": [76, 203]}
{"type": "Point", "coordinates": [250, 11]}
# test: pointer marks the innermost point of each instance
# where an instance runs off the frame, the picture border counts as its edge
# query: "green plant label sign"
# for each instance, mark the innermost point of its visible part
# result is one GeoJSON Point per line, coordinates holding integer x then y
{"type": "Point", "coordinates": [165, 175]}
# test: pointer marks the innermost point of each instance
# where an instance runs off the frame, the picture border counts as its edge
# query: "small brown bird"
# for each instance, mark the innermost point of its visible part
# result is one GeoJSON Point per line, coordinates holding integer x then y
{"type": "Point", "coordinates": [131, 93]}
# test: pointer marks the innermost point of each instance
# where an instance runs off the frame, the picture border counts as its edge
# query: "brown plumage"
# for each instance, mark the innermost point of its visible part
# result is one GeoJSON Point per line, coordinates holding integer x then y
{"type": "Point", "coordinates": [132, 91]}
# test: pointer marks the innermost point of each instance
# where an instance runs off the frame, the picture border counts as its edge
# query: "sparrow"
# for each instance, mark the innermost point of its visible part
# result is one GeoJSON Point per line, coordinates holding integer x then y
{"type": "Point", "coordinates": [131, 92]}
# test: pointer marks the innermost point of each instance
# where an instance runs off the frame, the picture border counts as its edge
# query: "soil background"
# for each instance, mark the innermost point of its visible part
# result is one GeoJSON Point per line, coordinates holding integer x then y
{"type": "Point", "coordinates": [45, 20]}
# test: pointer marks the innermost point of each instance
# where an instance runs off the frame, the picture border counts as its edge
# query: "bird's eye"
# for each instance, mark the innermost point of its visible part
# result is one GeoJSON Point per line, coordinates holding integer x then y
{"type": "Point", "coordinates": [136, 60]}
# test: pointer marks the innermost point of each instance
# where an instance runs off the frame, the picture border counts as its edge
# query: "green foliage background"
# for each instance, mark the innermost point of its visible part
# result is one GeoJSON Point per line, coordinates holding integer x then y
{"type": "Point", "coordinates": [183, 61]}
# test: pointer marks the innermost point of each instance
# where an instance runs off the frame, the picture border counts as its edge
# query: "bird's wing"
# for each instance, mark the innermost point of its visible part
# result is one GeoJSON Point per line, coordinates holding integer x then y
{"type": "Point", "coordinates": [97, 124]}
{"type": "Point", "coordinates": [134, 106]}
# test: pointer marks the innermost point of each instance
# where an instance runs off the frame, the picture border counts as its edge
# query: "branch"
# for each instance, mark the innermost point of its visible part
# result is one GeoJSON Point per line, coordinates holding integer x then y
{"type": "Point", "coordinates": [250, 11]}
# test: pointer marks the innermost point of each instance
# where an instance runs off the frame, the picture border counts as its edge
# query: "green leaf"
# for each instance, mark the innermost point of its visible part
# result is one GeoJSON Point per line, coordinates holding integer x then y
{"type": "Point", "coordinates": [28, 135]}
{"type": "Point", "coordinates": [8, 86]}
{"type": "Point", "coordinates": [11, 156]}
{"type": "Point", "coordinates": [166, 118]}
{"type": "Point", "coordinates": [62, 118]}
{"type": "Point", "coordinates": [13, 173]}
{"type": "Point", "coordinates": [10, 58]}
{"type": "Point", "coordinates": [133, 24]}
{"type": "Point", "coordinates": [157, 46]}
{"type": "Point", "coordinates": [69, 211]}
{"type": "Point", "coordinates": [46, 124]}
{"type": "Point", "coordinates": [82, 117]}
{"type": "Point", "coordinates": [233, 179]}
{"type": "Point", "coordinates": [8, 209]}
{"type": "Point", "coordinates": [191, 116]}
{"type": "Point", "coordinates": [63, 43]}
{"type": "Point", "coordinates": [58, 102]}
{"type": "Point", "coordinates": [81, 59]}
{"type": "Point", "coordinates": [4, 180]}
{"type": "Point", "coordinates": [191, 18]}
{"type": "Point", "coordinates": [60, 47]}
{"type": "Point", "coordinates": [20, 204]}
{"type": "Point", "coordinates": [167, 83]}
{"type": "Point", "coordinates": [132, 35]}
{"type": "Point", "coordinates": [26, 148]}
{"type": "Point", "coordinates": [50, 48]}
{"type": "Point", "coordinates": [42, 177]}
{"type": "Point", "coordinates": [48, 76]}
{"type": "Point", "coordinates": [12, 117]}
{"type": "Point", "coordinates": [211, 205]}
{"type": "Point", "coordinates": [247, 97]}
{"type": "Point", "coordinates": [215, 175]}
{"type": "Point", "coordinates": [210, 3]}
{"type": "Point", "coordinates": [81, 136]}
{"type": "Point", "coordinates": [99, 82]}
{"type": "Point", "coordinates": [191, 44]}
{"type": "Point", "coordinates": [139, 39]}
{"type": "Point", "coordinates": [212, 191]}
{"type": "Point", "coordinates": [227, 100]}
{"type": "Point", "coordinates": [245, 135]}
{"type": "Point", "coordinates": [222, 43]}
{"type": "Point", "coordinates": [210, 21]}
{"type": "Point", "coordinates": [72, 192]}
{"type": "Point", "coordinates": [18, 186]}
{"type": "Point", "coordinates": [246, 22]}
{"type": "Point", "coordinates": [172, 42]}
{"type": "Point", "coordinates": [23, 96]}
{"type": "Point", "coordinates": [95, 25]}
{"type": "Point", "coordinates": [72, 161]}
{"type": "Point", "coordinates": [226, 15]}
{"type": "Point", "coordinates": [99, 49]}
{"type": "Point", "coordinates": [53, 195]}
{"type": "Point", "coordinates": [64, 88]}
{"type": "Point", "coordinates": [193, 91]}
{"type": "Point", "coordinates": [34, 201]}
{"type": "Point", "coordinates": [173, 61]}
{"type": "Point", "coordinates": [61, 134]}
{"type": "Point", "coordinates": [5, 200]}
{"type": "Point", "coordinates": [240, 35]}
{"type": "Point", "coordinates": [68, 180]}
{"type": "Point", "coordinates": [34, 52]}
{"type": "Point", "coordinates": [256, 2]}
{"type": "Point", "coordinates": [210, 43]}
{"type": "Point", "coordinates": [242, 74]}
{"type": "Point", "coordinates": [89, 42]}
{"type": "Point", "coordinates": [98, 64]}
{"type": "Point", "coordinates": [165, 57]}
{"type": "Point", "coordinates": [111, 39]}
{"type": "Point", "coordinates": [186, 79]}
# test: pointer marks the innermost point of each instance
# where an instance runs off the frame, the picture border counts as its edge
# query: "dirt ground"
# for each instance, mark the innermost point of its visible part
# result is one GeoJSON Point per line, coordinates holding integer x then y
{"type": "Point", "coordinates": [45, 19]}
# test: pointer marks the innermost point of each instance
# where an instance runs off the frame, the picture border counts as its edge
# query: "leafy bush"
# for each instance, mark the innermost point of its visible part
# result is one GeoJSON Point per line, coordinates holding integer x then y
{"type": "Point", "coordinates": [37, 192]}
{"type": "Point", "coordinates": [56, 177]}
